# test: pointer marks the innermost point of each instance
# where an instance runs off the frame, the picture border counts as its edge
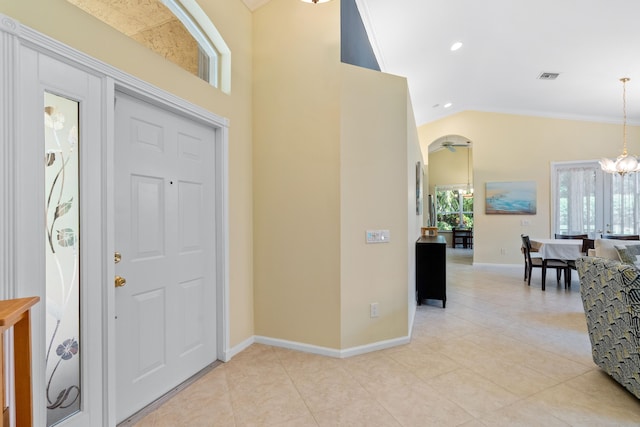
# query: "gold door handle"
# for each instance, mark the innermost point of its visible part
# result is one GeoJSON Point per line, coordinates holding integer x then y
{"type": "Point", "coordinates": [120, 281]}
{"type": "Point", "coordinates": [117, 257]}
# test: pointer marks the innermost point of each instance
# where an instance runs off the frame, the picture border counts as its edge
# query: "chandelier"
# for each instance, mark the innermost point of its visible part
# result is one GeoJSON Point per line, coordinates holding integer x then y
{"type": "Point", "coordinates": [624, 163]}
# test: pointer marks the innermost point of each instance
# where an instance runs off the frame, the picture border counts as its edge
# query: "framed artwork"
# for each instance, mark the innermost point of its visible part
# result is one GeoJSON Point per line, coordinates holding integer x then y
{"type": "Point", "coordinates": [418, 188]}
{"type": "Point", "coordinates": [511, 197]}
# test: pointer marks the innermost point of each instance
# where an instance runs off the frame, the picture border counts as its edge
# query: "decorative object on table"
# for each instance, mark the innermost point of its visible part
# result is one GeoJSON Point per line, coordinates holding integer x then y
{"type": "Point", "coordinates": [512, 197]}
{"type": "Point", "coordinates": [431, 220]}
{"type": "Point", "coordinates": [624, 163]}
{"type": "Point", "coordinates": [429, 231]}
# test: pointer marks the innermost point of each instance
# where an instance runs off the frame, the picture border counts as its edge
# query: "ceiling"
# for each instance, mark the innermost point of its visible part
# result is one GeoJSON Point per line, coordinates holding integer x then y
{"type": "Point", "coordinates": [507, 44]}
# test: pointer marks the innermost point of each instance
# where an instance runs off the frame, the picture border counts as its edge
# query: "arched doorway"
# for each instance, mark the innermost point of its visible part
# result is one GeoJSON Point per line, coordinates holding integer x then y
{"type": "Point", "coordinates": [451, 189]}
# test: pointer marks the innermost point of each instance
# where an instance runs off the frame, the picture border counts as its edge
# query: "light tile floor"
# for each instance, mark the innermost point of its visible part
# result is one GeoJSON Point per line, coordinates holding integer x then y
{"type": "Point", "coordinates": [500, 354]}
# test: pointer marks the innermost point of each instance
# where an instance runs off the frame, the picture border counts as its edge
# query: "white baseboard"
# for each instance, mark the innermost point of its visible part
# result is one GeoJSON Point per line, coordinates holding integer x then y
{"type": "Point", "coordinates": [380, 345]}
{"type": "Point", "coordinates": [227, 355]}
{"type": "Point", "coordinates": [484, 264]}
{"type": "Point", "coordinates": [332, 352]}
{"type": "Point", "coordinates": [293, 345]}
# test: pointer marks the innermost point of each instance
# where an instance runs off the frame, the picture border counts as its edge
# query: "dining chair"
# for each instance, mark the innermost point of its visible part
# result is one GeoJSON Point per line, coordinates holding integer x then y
{"type": "Point", "coordinates": [584, 249]}
{"type": "Point", "coordinates": [588, 244]}
{"type": "Point", "coordinates": [621, 236]}
{"type": "Point", "coordinates": [532, 262]}
{"type": "Point", "coordinates": [462, 236]}
{"type": "Point", "coordinates": [571, 236]}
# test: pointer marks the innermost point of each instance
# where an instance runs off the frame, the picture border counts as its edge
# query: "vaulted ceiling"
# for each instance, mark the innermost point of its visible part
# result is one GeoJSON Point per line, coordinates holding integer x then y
{"type": "Point", "coordinates": [507, 45]}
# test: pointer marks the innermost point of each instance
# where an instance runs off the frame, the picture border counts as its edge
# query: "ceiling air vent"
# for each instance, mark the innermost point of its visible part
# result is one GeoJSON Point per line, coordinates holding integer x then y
{"type": "Point", "coordinates": [548, 76]}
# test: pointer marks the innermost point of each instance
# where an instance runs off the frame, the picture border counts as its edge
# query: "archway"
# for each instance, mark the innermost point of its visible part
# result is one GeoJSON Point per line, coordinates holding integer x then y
{"type": "Point", "coordinates": [450, 189]}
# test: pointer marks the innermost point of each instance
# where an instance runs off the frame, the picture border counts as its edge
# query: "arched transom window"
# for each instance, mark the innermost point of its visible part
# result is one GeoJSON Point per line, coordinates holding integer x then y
{"type": "Point", "coordinates": [179, 30]}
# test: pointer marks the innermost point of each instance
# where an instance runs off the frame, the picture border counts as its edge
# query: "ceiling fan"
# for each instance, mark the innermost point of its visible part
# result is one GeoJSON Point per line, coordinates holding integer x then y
{"type": "Point", "coordinates": [451, 145]}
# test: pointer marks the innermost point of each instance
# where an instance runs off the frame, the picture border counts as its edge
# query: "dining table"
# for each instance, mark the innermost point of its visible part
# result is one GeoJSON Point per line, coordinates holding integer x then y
{"type": "Point", "coordinates": [563, 249]}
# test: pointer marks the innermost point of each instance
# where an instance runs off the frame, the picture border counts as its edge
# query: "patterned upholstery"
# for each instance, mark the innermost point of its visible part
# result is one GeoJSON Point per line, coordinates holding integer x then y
{"type": "Point", "coordinates": [611, 296]}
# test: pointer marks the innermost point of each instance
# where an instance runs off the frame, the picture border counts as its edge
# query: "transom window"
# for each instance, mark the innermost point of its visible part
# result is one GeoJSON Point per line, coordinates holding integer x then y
{"type": "Point", "coordinates": [176, 29]}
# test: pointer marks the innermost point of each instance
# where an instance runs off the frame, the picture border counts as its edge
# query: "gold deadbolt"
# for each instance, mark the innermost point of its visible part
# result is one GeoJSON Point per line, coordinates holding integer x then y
{"type": "Point", "coordinates": [117, 257]}
{"type": "Point", "coordinates": [120, 281]}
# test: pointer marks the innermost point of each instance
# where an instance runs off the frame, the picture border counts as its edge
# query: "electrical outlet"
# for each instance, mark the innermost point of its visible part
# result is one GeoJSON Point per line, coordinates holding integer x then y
{"type": "Point", "coordinates": [373, 309]}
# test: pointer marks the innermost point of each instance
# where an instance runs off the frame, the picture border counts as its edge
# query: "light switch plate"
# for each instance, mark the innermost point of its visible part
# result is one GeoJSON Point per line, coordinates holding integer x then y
{"type": "Point", "coordinates": [378, 236]}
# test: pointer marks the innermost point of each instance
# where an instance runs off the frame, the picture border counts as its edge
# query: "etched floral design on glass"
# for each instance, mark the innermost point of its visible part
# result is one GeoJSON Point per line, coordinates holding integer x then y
{"type": "Point", "coordinates": [61, 163]}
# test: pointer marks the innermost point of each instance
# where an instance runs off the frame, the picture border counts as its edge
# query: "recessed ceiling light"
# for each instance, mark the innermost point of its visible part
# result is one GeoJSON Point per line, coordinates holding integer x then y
{"type": "Point", "coordinates": [448, 104]}
{"type": "Point", "coordinates": [456, 46]}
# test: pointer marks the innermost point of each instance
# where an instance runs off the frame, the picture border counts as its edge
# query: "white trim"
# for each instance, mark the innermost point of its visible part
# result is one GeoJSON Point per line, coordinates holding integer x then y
{"type": "Point", "coordinates": [332, 352]}
{"type": "Point", "coordinates": [413, 309]}
{"type": "Point", "coordinates": [205, 43]}
{"type": "Point", "coordinates": [491, 265]}
{"type": "Point", "coordinates": [380, 345]}
{"type": "Point", "coordinates": [8, 53]}
{"type": "Point", "coordinates": [222, 296]}
{"type": "Point", "coordinates": [8, 100]}
{"type": "Point", "coordinates": [423, 119]}
{"type": "Point", "coordinates": [293, 345]}
{"type": "Point", "coordinates": [238, 349]}
{"type": "Point", "coordinates": [109, 306]}
{"type": "Point", "coordinates": [195, 13]}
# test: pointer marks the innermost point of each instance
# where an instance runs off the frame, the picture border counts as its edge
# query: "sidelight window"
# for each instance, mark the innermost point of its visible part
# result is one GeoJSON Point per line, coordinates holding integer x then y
{"type": "Point", "coordinates": [61, 242]}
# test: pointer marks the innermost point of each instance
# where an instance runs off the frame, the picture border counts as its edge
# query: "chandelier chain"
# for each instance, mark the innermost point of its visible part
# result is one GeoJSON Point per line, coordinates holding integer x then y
{"type": "Point", "coordinates": [624, 81]}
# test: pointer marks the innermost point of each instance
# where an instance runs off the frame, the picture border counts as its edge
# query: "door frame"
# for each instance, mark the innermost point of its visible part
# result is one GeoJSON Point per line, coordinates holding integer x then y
{"type": "Point", "coordinates": [14, 269]}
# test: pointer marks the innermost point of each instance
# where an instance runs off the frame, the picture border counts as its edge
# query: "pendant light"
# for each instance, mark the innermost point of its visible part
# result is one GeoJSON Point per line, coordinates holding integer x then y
{"type": "Point", "coordinates": [624, 163]}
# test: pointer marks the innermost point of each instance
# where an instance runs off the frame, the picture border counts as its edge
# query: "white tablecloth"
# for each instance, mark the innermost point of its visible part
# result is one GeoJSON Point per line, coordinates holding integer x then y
{"type": "Point", "coordinates": [566, 249]}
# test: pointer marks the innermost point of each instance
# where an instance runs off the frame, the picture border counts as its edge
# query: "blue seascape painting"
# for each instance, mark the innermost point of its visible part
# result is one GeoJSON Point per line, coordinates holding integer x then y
{"type": "Point", "coordinates": [517, 198]}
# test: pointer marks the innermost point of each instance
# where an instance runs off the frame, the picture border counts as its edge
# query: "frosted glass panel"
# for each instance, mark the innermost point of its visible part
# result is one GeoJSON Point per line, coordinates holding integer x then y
{"type": "Point", "coordinates": [62, 257]}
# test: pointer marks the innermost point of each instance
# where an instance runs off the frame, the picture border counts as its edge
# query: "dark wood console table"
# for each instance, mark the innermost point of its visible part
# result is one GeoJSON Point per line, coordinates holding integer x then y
{"type": "Point", "coordinates": [431, 269]}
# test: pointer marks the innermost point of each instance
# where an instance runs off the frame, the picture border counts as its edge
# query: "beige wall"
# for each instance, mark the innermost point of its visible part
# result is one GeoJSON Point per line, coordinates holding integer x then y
{"type": "Point", "coordinates": [297, 171]}
{"type": "Point", "coordinates": [521, 148]}
{"type": "Point", "coordinates": [373, 179]}
{"type": "Point", "coordinates": [330, 162]}
{"type": "Point", "coordinates": [447, 168]}
{"type": "Point", "coordinates": [64, 22]}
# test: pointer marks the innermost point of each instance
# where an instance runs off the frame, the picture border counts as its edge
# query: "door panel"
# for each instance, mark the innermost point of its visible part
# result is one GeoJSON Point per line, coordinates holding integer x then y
{"type": "Point", "coordinates": [165, 231]}
{"type": "Point", "coordinates": [69, 388]}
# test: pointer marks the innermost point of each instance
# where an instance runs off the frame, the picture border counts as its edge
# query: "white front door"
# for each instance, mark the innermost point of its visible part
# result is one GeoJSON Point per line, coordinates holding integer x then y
{"type": "Point", "coordinates": [165, 233]}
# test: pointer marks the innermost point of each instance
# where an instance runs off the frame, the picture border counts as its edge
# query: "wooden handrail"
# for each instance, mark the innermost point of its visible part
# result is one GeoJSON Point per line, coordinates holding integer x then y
{"type": "Point", "coordinates": [15, 313]}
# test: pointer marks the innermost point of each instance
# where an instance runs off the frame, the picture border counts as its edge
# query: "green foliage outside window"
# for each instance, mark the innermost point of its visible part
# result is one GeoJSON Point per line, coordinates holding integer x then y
{"type": "Point", "coordinates": [453, 209]}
